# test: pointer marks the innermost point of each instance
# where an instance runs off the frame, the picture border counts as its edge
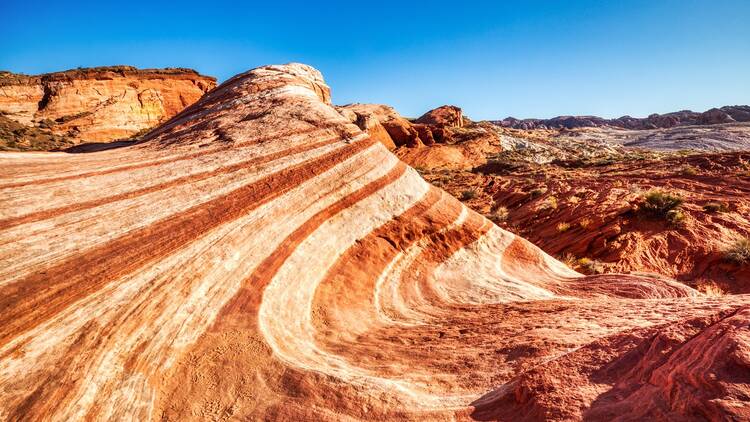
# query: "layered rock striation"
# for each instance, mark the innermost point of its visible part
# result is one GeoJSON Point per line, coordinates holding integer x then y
{"type": "Point", "coordinates": [100, 104]}
{"type": "Point", "coordinates": [260, 257]}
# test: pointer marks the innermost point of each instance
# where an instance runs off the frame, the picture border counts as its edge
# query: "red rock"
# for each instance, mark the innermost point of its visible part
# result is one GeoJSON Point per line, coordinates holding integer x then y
{"type": "Point", "coordinates": [425, 134]}
{"type": "Point", "coordinates": [450, 116]}
{"type": "Point", "coordinates": [402, 133]}
{"type": "Point", "coordinates": [100, 104]}
{"type": "Point", "coordinates": [441, 135]}
{"type": "Point", "coordinates": [369, 118]}
{"type": "Point", "coordinates": [259, 257]}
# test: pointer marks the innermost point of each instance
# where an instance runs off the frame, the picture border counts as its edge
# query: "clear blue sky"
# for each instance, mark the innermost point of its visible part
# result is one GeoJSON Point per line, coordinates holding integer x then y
{"type": "Point", "coordinates": [494, 59]}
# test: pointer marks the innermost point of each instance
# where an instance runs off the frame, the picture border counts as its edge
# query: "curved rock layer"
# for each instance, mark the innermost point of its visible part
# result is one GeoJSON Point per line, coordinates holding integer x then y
{"type": "Point", "coordinates": [258, 257]}
{"type": "Point", "coordinates": [100, 104]}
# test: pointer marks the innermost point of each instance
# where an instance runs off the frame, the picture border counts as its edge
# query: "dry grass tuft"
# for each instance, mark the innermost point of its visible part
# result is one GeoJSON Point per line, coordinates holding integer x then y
{"type": "Point", "coordinates": [468, 194]}
{"type": "Point", "coordinates": [711, 289]}
{"type": "Point", "coordinates": [589, 266]}
{"type": "Point", "coordinates": [499, 215]}
{"type": "Point", "coordinates": [584, 223]}
{"type": "Point", "coordinates": [739, 251]}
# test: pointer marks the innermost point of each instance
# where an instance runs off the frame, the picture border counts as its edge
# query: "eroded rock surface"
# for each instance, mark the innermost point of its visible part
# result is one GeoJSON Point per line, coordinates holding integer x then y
{"type": "Point", "coordinates": [99, 104]}
{"type": "Point", "coordinates": [447, 115]}
{"type": "Point", "coordinates": [438, 139]}
{"type": "Point", "coordinates": [588, 211]}
{"type": "Point", "coordinates": [260, 257]}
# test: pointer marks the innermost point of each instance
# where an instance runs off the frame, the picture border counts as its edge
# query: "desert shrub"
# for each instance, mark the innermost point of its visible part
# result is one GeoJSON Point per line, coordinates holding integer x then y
{"type": "Point", "coordinates": [584, 223]}
{"type": "Point", "coordinates": [590, 266]}
{"type": "Point", "coordinates": [468, 194]}
{"type": "Point", "coordinates": [739, 251]}
{"type": "Point", "coordinates": [714, 207]}
{"type": "Point", "coordinates": [658, 204]}
{"type": "Point", "coordinates": [499, 214]}
{"type": "Point", "coordinates": [675, 217]}
{"type": "Point", "coordinates": [689, 171]}
{"type": "Point", "coordinates": [568, 259]}
{"type": "Point", "coordinates": [549, 203]}
{"type": "Point", "coordinates": [563, 227]}
{"type": "Point", "coordinates": [535, 193]}
{"type": "Point", "coordinates": [710, 289]}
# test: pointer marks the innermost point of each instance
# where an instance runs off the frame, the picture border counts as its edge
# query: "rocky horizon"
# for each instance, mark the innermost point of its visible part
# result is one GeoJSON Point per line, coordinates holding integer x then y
{"type": "Point", "coordinates": [726, 114]}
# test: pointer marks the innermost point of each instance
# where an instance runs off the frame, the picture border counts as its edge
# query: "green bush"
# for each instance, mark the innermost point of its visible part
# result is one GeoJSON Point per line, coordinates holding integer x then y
{"type": "Point", "coordinates": [659, 204]}
{"type": "Point", "coordinates": [714, 207]}
{"type": "Point", "coordinates": [468, 194]}
{"type": "Point", "coordinates": [675, 217]}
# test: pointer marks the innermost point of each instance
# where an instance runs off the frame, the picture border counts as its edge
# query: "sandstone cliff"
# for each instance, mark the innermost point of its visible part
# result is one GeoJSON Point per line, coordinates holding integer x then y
{"type": "Point", "coordinates": [99, 104]}
{"type": "Point", "coordinates": [259, 257]}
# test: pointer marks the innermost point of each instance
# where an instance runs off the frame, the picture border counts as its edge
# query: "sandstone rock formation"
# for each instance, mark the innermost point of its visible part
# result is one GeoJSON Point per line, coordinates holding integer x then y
{"type": "Point", "coordinates": [727, 114]}
{"type": "Point", "coordinates": [446, 115]}
{"type": "Point", "coordinates": [587, 211]}
{"type": "Point", "coordinates": [259, 257]}
{"type": "Point", "coordinates": [437, 140]}
{"type": "Point", "coordinates": [100, 104]}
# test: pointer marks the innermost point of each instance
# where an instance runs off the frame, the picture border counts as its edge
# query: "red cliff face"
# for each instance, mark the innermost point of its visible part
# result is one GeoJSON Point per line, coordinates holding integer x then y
{"type": "Point", "coordinates": [100, 104]}
{"type": "Point", "coordinates": [446, 115]}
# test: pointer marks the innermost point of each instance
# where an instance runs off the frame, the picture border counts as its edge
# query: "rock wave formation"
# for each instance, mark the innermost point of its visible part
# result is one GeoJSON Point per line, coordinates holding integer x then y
{"type": "Point", "coordinates": [100, 104]}
{"type": "Point", "coordinates": [259, 257]}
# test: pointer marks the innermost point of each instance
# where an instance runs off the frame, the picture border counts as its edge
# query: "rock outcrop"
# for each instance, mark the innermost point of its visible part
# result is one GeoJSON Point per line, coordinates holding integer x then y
{"type": "Point", "coordinates": [100, 104]}
{"type": "Point", "coordinates": [259, 257]}
{"type": "Point", "coordinates": [447, 115]}
{"type": "Point", "coordinates": [727, 114]}
{"type": "Point", "coordinates": [438, 139]}
{"type": "Point", "coordinates": [586, 210]}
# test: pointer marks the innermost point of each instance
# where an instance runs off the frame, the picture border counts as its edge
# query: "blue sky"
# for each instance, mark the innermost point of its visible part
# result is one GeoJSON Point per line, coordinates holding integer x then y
{"type": "Point", "coordinates": [494, 59]}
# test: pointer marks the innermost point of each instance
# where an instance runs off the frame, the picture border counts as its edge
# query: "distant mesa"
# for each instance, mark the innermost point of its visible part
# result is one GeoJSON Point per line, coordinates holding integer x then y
{"type": "Point", "coordinates": [727, 114]}
{"type": "Point", "coordinates": [98, 104]}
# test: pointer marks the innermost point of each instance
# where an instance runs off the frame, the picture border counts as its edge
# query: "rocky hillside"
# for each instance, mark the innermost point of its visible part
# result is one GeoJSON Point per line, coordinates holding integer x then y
{"type": "Point", "coordinates": [96, 104]}
{"type": "Point", "coordinates": [727, 114]}
{"type": "Point", "coordinates": [441, 138]}
{"type": "Point", "coordinates": [576, 192]}
{"type": "Point", "coordinates": [599, 215]}
{"type": "Point", "coordinates": [260, 257]}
